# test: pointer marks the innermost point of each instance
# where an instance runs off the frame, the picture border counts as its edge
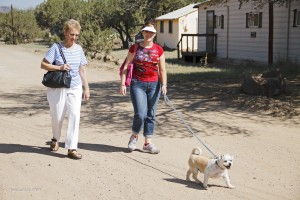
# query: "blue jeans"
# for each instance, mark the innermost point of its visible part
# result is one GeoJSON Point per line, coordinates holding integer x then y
{"type": "Point", "coordinates": [144, 97]}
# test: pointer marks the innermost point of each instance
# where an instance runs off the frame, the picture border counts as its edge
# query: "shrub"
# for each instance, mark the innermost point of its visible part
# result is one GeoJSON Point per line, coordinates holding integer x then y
{"type": "Point", "coordinates": [20, 31]}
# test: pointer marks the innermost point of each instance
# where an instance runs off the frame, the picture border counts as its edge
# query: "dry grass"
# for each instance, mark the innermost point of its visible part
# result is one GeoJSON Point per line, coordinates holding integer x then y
{"type": "Point", "coordinates": [221, 81]}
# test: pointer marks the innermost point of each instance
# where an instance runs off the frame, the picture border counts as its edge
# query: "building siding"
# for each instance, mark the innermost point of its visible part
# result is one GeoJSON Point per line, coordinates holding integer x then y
{"type": "Point", "coordinates": [286, 37]}
{"type": "Point", "coordinates": [171, 39]}
{"type": "Point", "coordinates": [235, 41]}
{"type": "Point", "coordinates": [168, 39]}
{"type": "Point", "coordinates": [241, 44]}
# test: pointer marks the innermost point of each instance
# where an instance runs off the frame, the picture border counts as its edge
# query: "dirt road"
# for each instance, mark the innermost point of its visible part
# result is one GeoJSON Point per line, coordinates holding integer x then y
{"type": "Point", "coordinates": [266, 150]}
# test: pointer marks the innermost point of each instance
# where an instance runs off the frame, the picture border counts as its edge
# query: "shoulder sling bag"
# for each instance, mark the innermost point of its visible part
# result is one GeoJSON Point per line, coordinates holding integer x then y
{"type": "Point", "coordinates": [57, 79]}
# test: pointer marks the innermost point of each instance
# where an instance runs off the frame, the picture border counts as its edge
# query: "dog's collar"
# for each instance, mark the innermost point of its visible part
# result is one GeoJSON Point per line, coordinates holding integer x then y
{"type": "Point", "coordinates": [218, 164]}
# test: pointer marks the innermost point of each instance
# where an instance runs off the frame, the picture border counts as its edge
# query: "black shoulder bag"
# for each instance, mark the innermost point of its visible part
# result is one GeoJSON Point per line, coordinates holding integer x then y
{"type": "Point", "coordinates": [57, 79]}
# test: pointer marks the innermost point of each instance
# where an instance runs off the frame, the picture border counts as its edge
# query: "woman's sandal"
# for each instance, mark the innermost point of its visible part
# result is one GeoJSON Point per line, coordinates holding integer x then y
{"type": "Point", "coordinates": [74, 154]}
{"type": "Point", "coordinates": [54, 145]}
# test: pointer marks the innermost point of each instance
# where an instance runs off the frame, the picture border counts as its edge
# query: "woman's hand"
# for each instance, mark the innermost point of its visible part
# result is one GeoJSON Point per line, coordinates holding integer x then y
{"type": "Point", "coordinates": [82, 73]}
{"type": "Point", "coordinates": [123, 90]}
{"type": "Point", "coordinates": [52, 67]}
{"type": "Point", "coordinates": [64, 67]}
{"type": "Point", "coordinates": [86, 94]}
{"type": "Point", "coordinates": [163, 89]}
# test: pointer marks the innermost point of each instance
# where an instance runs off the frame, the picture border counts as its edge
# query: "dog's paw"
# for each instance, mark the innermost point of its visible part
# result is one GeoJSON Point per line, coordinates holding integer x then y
{"type": "Point", "coordinates": [205, 186]}
{"type": "Point", "coordinates": [231, 186]}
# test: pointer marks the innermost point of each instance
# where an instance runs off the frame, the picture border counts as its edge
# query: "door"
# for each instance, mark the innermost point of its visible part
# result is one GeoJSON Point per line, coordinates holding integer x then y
{"type": "Point", "coordinates": [210, 30]}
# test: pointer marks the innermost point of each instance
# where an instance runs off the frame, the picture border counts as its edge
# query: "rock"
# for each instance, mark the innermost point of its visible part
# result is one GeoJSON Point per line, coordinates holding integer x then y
{"type": "Point", "coordinates": [108, 58]}
{"type": "Point", "coordinates": [269, 84]}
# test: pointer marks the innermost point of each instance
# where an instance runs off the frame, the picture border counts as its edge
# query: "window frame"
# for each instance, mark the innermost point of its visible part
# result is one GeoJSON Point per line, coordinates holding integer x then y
{"type": "Point", "coordinates": [219, 22]}
{"type": "Point", "coordinates": [296, 22]}
{"type": "Point", "coordinates": [170, 26]}
{"type": "Point", "coordinates": [256, 19]}
{"type": "Point", "coordinates": [162, 26]}
{"type": "Point", "coordinates": [253, 20]}
{"type": "Point", "coordinates": [298, 18]}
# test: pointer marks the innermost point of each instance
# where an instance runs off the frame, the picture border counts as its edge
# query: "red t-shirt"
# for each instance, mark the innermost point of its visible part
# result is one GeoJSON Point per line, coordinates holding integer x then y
{"type": "Point", "coordinates": [146, 62]}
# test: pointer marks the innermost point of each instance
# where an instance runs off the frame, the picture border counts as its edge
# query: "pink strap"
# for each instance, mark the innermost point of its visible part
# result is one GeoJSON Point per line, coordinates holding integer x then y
{"type": "Point", "coordinates": [134, 52]}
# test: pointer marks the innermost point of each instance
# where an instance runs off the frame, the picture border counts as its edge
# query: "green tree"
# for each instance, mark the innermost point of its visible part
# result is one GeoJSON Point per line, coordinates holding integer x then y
{"type": "Point", "coordinates": [95, 41]}
{"type": "Point", "coordinates": [126, 17]}
{"type": "Point", "coordinates": [19, 26]}
{"type": "Point", "coordinates": [52, 14]}
{"type": "Point", "coordinates": [116, 15]}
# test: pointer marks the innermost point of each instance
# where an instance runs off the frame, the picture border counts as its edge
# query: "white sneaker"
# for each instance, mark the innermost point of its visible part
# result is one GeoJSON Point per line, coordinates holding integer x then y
{"type": "Point", "coordinates": [150, 148]}
{"type": "Point", "coordinates": [132, 142]}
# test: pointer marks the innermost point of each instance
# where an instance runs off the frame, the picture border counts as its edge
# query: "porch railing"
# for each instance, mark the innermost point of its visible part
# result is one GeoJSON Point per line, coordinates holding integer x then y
{"type": "Point", "coordinates": [204, 43]}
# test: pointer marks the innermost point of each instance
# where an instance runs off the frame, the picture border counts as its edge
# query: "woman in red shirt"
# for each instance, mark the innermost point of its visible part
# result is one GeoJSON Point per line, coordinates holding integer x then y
{"type": "Point", "coordinates": [148, 82]}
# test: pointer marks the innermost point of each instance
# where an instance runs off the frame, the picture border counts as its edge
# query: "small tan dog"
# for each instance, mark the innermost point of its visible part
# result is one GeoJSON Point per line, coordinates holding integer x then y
{"type": "Point", "coordinates": [210, 167]}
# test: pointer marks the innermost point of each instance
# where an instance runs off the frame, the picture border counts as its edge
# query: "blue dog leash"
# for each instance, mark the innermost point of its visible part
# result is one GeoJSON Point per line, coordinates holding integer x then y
{"type": "Point", "coordinates": [169, 103]}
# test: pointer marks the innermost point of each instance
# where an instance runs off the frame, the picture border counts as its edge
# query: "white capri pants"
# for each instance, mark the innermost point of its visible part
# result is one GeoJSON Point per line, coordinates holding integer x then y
{"type": "Point", "coordinates": [62, 101]}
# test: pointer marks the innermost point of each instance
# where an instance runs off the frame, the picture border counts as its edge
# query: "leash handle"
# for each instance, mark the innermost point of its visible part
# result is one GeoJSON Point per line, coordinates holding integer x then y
{"type": "Point", "coordinates": [169, 103]}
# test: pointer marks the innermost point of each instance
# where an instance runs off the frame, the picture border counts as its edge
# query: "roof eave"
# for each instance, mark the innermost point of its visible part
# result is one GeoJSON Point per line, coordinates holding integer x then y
{"type": "Point", "coordinates": [202, 3]}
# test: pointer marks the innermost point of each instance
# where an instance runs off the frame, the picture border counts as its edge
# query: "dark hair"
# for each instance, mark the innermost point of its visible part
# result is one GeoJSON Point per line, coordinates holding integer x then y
{"type": "Point", "coordinates": [150, 22]}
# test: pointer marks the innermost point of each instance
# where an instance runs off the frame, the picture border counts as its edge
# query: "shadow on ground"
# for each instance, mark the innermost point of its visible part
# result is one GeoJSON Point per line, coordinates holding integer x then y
{"type": "Point", "coordinates": [20, 148]}
{"type": "Point", "coordinates": [108, 111]}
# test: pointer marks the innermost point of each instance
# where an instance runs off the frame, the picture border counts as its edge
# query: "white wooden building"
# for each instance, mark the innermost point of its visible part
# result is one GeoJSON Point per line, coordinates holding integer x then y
{"type": "Point", "coordinates": [249, 33]}
{"type": "Point", "coordinates": [170, 26]}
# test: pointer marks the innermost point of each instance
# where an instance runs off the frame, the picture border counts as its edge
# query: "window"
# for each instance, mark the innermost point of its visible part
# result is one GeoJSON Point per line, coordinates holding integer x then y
{"type": "Point", "coordinates": [161, 26]}
{"type": "Point", "coordinates": [254, 20]}
{"type": "Point", "coordinates": [170, 26]}
{"type": "Point", "coordinates": [219, 21]}
{"type": "Point", "coordinates": [296, 18]}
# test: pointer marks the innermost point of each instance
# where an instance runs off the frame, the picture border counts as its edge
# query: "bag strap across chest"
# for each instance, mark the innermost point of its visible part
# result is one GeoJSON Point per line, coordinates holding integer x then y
{"type": "Point", "coordinates": [61, 52]}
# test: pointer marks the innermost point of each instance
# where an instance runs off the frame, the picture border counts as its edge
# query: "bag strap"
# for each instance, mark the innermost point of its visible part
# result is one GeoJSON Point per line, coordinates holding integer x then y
{"type": "Point", "coordinates": [61, 52]}
{"type": "Point", "coordinates": [134, 52]}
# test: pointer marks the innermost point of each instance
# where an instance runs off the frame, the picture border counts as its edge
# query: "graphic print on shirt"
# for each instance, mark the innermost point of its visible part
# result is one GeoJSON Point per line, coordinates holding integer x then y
{"type": "Point", "coordinates": [146, 61]}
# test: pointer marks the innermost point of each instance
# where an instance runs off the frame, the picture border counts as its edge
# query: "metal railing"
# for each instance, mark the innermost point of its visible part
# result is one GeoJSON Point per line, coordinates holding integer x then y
{"type": "Point", "coordinates": [208, 44]}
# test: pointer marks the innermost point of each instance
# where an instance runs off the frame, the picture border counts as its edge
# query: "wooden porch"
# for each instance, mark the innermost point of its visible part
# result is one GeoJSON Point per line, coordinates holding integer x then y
{"type": "Point", "coordinates": [195, 46]}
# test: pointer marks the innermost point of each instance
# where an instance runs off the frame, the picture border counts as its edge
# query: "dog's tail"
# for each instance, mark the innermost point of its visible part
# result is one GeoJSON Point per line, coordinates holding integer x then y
{"type": "Point", "coordinates": [194, 151]}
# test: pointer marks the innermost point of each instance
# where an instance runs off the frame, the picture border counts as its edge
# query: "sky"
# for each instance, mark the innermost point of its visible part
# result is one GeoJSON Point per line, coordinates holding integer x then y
{"type": "Point", "coordinates": [21, 4]}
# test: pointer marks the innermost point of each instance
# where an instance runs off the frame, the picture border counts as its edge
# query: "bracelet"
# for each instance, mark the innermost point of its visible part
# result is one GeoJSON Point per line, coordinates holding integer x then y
{"type": "Point", "coordinates": [164, 85]}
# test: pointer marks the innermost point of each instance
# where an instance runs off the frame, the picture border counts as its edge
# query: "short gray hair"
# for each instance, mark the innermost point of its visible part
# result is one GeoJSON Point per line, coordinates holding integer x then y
{"type": "Point", "coordinates": [71, 23]}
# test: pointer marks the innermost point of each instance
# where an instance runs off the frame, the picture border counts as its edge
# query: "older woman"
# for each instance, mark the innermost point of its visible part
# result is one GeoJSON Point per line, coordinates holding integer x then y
{"type": "Point", "coordinates": [67, 100]}
{"type": "Point", "coordinates": [148, 82]}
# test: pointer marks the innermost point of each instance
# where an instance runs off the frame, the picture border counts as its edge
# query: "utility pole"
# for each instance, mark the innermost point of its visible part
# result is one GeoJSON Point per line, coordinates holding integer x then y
{"type": "Point", "coordinates": [271, 32]}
